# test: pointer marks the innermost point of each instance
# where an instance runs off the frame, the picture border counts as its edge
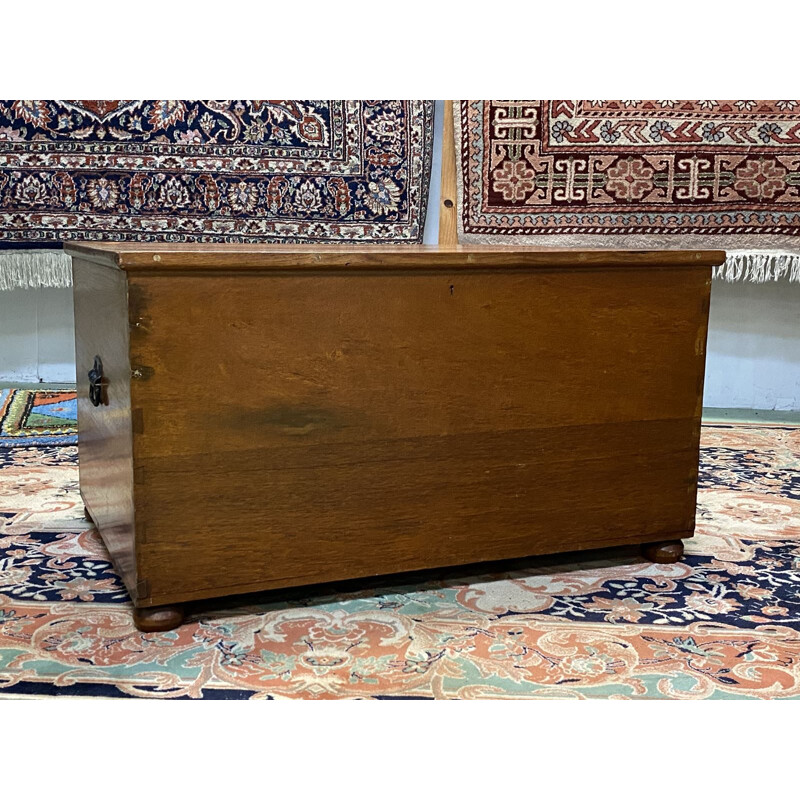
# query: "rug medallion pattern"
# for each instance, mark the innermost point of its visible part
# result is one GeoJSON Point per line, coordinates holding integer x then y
{"type": "Point", "coordinates": [723, 623]}
{"type": "Point", "coordinates": [214, 170]}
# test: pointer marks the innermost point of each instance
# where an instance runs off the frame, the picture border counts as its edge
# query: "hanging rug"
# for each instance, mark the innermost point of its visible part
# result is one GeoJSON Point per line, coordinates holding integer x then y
{"type": "Point", "coordinates": [636, 174]}
{"type": "Point", "coordinates": [249, 171]}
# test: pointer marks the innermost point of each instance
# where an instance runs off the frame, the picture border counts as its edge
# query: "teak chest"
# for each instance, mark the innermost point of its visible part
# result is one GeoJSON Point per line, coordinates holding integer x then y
{"type": "Point", "coordinates": [262, 417]}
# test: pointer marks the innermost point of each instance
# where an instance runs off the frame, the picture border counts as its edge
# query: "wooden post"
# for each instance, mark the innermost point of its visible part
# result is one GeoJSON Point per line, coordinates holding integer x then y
{"type": "Point", "coordinates": [448, 205]}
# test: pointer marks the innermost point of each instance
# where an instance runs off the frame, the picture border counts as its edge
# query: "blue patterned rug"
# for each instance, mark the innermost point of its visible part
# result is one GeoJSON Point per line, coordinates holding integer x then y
{"type": "Point", "coordinates": [214, 170]}
{"type": "Point", "coordinates": [35, 417]}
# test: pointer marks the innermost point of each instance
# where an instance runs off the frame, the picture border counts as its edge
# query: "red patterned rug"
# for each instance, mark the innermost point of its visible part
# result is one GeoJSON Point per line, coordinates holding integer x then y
{"type": "Point", "coordinates": [720, 174]}
{"type": "Point", "coordinates": [723, 623]}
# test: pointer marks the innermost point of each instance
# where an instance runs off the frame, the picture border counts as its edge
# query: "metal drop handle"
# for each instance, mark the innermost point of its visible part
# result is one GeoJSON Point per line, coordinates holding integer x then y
{"type": "Point", "coordinates": [97, 384]}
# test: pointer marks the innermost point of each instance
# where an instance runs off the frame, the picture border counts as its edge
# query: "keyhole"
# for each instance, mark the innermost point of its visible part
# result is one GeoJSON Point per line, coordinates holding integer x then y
{"type": "Point", "coordinates": [452, 289]}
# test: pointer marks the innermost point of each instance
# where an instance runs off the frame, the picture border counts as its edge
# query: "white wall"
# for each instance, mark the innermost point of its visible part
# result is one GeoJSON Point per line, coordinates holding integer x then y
{"type": "Point", "coordinates": [753, 343]}
{"type": "Point", "coordinates": [754, 346]}
{"type": "Point", "coordinates": [37, 341]}
{"type": "Point", "coordinates": [431, 235]}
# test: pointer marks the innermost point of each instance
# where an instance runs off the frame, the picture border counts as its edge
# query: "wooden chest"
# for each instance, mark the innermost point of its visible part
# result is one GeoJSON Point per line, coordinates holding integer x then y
{"type": "Point", "coordinates": [262, 417]}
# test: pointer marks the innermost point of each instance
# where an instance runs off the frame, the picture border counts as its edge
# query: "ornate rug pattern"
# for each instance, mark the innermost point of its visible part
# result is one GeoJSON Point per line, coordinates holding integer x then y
{"type": "Point", "coordinates": [214, 171]}
{"type": "Point", "coordinates": [32, 417]}
{"type": "Point", "coordinates": [724, 623]}
{"type": "Point", "coordinates": [636, 173]}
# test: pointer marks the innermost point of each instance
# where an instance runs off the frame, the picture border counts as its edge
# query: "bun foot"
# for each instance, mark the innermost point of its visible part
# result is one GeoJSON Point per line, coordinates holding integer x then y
{"type": "Point", "coordinates": [663, 552]}
{"type": "Point", "coordinates": [158, 618]}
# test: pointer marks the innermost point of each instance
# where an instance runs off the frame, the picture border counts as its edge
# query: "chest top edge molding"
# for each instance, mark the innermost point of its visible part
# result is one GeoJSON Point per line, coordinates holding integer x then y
{"type": "Point", "coordinates": [304, 258]}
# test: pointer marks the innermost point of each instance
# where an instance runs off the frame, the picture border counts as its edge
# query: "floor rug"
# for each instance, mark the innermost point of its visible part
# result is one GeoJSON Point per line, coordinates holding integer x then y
{"type": "Point", "coordinates": [624, 174]}
{"type": "Point", "coordinates": [724, 623]}
{"type": "Point", "coordinates": [212, 171]}
{"type": "Point", "coordinates": [33, 417]}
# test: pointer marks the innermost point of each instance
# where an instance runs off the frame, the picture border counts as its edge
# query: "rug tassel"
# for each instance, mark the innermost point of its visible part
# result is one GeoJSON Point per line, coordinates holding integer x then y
{"type": "Point", "coordinates": [759, 267]}
{"type": "Point", "coordinates": [33, 269]}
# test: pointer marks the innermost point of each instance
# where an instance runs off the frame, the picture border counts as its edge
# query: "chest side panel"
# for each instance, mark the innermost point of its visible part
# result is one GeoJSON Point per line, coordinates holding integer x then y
{"type": "Point", "coordinates": [105, 452]}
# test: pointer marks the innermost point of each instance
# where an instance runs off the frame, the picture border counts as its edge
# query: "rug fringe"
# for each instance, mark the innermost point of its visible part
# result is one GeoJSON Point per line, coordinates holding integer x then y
{"type": "Point", "coordinates": [759, 267]}
{"type": "Point", "coordinates": [32, 269]}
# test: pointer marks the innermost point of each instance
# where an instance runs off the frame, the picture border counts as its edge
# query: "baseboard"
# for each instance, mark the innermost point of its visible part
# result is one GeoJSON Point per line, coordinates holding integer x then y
{"type": "Point", "coordinates": [750, 415]}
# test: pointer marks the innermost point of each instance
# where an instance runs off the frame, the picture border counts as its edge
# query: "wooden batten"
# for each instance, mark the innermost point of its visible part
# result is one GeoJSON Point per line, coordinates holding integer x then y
{"type": "Point", "coordinates": [448, 201]}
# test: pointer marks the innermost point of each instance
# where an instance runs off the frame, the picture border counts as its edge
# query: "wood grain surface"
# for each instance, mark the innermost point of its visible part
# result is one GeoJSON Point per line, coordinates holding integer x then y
{"type": "Point", "coordinates": [448, 202]}
{"type": "Point", "coordinates": [105, 443]}
{"type": "Point", "coordinates": [159, 258]}
{"type": "Point", "coordinates": [294, 428]}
